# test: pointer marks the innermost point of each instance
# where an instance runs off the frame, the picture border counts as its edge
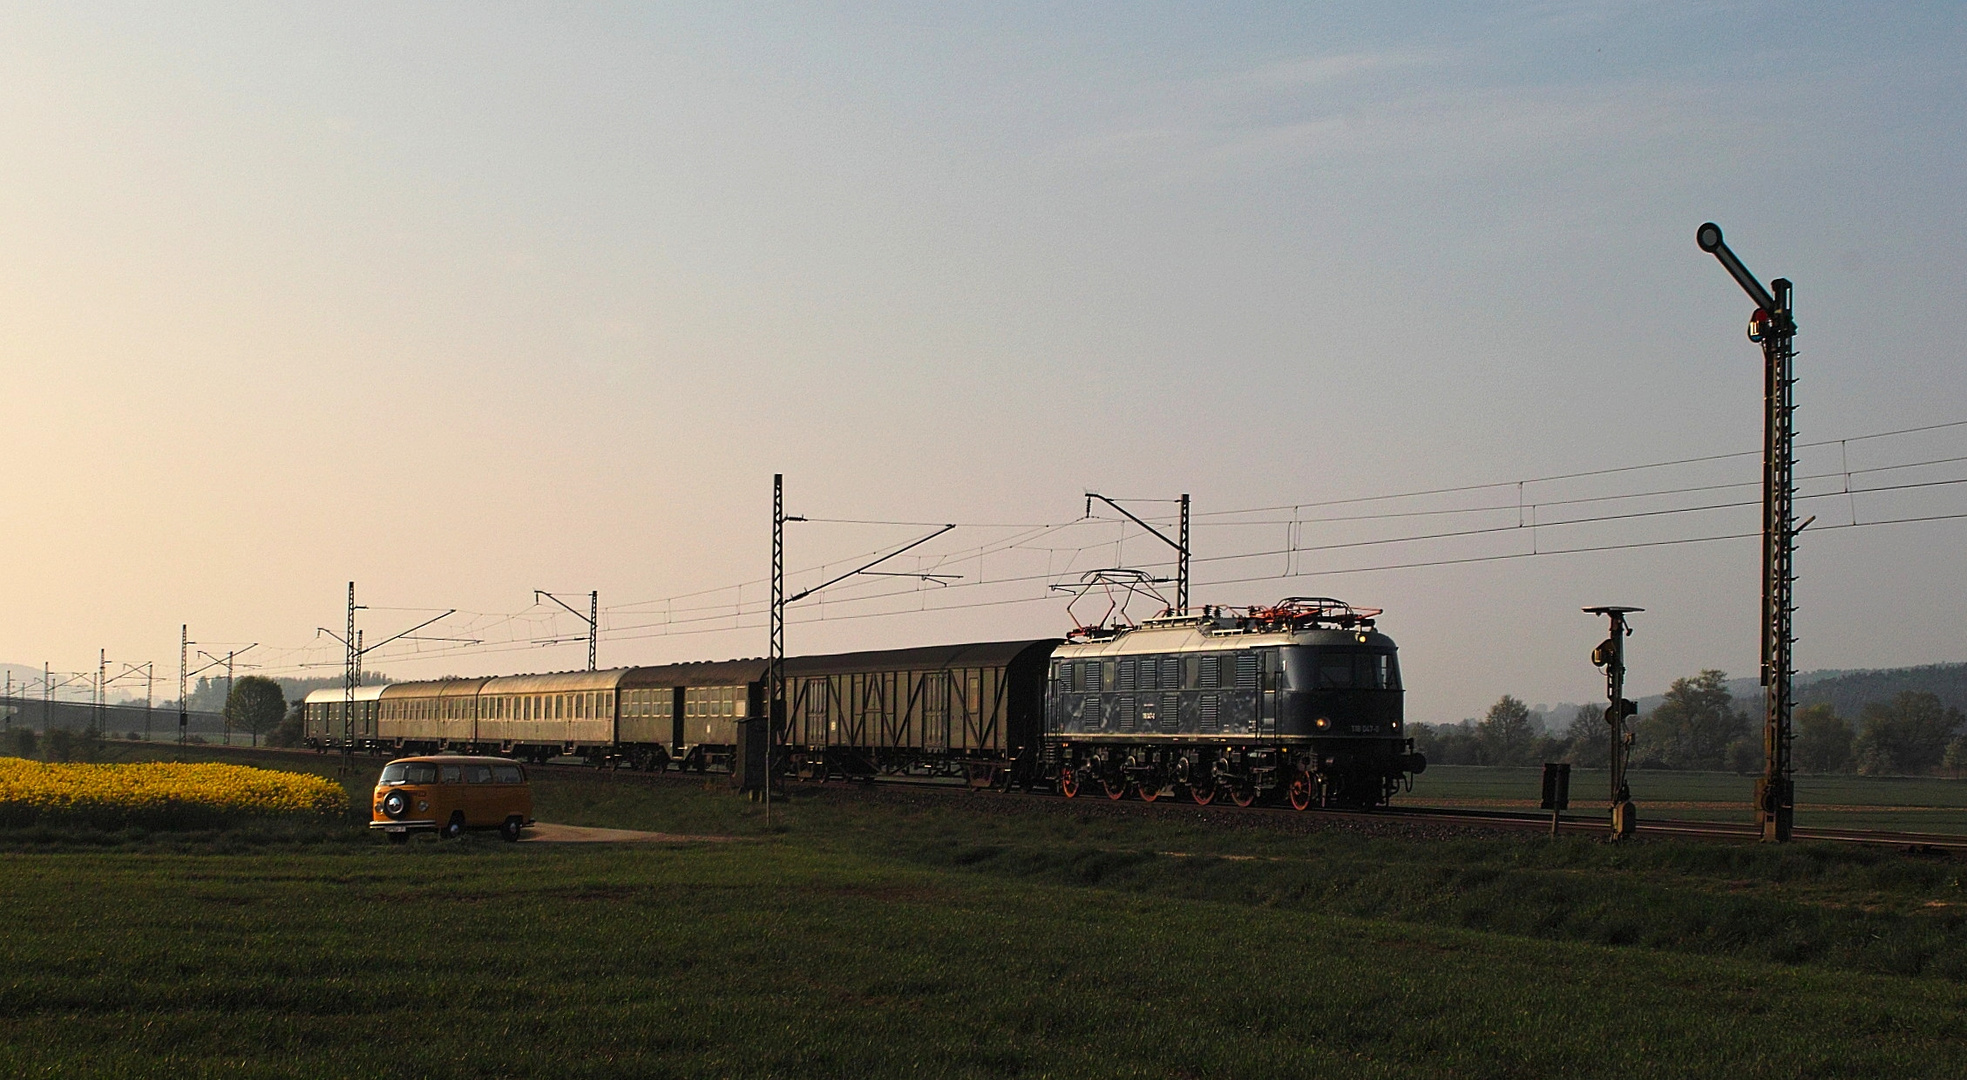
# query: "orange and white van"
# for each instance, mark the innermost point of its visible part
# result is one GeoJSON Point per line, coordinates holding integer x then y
{"type": "Point", "coordinates": [449, 793]}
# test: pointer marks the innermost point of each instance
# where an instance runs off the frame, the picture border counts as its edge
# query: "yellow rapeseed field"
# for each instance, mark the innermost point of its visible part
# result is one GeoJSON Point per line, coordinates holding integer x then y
{"type": "Point", "coordinates": [160, 793]}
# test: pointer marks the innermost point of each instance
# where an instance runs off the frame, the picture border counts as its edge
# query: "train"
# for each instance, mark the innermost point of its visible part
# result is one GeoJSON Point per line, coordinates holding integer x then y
{"type": "Point", "coordinates": [1297, 702]}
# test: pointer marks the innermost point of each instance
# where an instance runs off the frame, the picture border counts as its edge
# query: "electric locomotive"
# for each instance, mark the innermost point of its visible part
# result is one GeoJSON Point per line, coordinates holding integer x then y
{"type": "Point", "coordinates": [1297, 701]}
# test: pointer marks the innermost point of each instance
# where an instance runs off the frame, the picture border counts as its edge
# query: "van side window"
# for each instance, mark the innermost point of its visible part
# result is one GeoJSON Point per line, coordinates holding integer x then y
{"type": "Point", "coordinates": [508, 774]}
{"type": "Point", "coordinates": [477, 774]}
{"type": "Point", "coordinates": [447, 774]}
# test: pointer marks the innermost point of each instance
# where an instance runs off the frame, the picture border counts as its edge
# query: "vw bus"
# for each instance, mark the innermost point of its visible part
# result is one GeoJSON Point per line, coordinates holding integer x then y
{"type": "Point", "coordinates": [450, 793]}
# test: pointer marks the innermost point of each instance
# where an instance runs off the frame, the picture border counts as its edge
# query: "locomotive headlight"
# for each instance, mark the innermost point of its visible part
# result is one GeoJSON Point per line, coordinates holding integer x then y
{"type": "Point", "coordinates": [1322, 722]}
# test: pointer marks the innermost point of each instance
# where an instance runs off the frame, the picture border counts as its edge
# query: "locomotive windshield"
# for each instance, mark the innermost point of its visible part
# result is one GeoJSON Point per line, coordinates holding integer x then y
{"type": "Point", "coordinates": [1341, 669]}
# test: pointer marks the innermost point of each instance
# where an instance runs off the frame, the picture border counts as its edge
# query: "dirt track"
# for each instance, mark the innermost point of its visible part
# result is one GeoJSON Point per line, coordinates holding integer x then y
{"type": "Point", "coordinates": [544, 833]}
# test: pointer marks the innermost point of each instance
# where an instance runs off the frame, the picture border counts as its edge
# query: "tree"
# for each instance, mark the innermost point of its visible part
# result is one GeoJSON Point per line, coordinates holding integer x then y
{"type": "Point", "coordinates": [1955, 761]}
{"type": "Point", "coordinates": [1446, 744]}
{"type": "Point", "coordinates": [1692, 728]}
{"type": "Point", "coordinates": [1907, 735]}
{"type": "Point", "coordinates": [255, 705]}
{"type": "Point", "coordinates": [1589, 737]}
{"type": "Point", "coordinates": [1823, 739]}
{"type": "Point", "coordinates": [1504, 734]}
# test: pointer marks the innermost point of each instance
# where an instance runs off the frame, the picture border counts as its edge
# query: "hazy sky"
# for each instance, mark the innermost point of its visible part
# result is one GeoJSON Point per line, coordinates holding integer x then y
{"type": "Point", "coordinates": [461, 301]}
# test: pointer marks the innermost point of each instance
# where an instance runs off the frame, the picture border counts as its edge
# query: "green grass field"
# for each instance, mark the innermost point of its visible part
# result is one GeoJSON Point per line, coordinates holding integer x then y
{"type": "Point", "coordinates": [1912, 804]}
{"type": "Point", "coordinates": [953, 935]}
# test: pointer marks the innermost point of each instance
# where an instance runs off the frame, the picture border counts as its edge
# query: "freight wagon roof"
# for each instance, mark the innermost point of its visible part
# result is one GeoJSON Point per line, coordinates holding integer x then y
{"type": "Point", "coordinates": [557, 682]}
{"type": "Point", "coordinates": [434, 688]}
{"type": "Point", "coordinates": [931, 657]}
{"type": "Point", "coordinates": [336, 693]}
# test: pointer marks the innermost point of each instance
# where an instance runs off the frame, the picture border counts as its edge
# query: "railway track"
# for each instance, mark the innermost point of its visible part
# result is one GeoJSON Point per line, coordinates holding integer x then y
{"type": "Point", "coordinates": [1575, 824]}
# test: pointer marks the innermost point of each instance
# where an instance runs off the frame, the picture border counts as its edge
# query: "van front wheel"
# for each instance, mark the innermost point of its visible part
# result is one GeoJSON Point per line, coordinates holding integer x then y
{"type": "Point", "coordinates": [454, 828]}
{"type": "Point", "coordinates": [510, 829]}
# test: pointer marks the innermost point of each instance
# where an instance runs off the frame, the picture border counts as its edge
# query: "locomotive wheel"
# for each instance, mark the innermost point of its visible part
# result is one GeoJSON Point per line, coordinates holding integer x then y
{"type": "Point", "coordinates": [1068, 782]}
{"type": "Point", "coordinates": [1243, 794]}
{"type": "Point", "coordinates": [1203, 794]}
{"type": "Point", "coordinates": [1116, 789]}
{"type": "Point", "coordinates": [1301, 792]}
{"type": "Point", "coordinates": [1149, 793]}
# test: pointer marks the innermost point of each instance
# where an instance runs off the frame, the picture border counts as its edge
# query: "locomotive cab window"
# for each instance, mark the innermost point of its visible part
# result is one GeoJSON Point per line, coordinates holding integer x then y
{"type": "Point", "coordinates": [1341, 669]}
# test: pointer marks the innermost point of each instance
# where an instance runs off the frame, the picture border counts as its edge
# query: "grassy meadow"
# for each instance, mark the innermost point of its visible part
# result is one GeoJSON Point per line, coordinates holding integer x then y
{"type": "Point", "coordinates": [1908, 803]}
{"type": "Point", "coordinates": [903, 933]}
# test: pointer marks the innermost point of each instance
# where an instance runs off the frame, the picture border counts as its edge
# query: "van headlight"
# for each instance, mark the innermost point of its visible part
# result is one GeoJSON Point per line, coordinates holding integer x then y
{"type": "Point", "coordinates": [395, 804]}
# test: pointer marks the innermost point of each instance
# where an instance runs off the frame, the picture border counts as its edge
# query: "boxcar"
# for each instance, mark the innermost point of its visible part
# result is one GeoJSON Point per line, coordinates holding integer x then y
{"type": "Point", "coordinates": [951, 709]}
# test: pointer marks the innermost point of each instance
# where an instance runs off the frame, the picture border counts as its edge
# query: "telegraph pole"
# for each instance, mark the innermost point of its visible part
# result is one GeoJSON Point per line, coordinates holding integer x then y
{"type": "Point", "coordinates": [231, 655]}
{"type": "Point", "coordinates": [1611, 655]}
{"type": "Point", "coordinates": [352, 668]}
{"type": "Point", "coordinates": [775, 659]}
{"type": "Point", "coordinates": [592, 619]}
{"type": "Point", "coordinates": [351, 678]}
{"type": "Point", "coordinates": [102, 692]}
{"type": "Point", "coordinates": [1774, 328]}
{"type": "Point", "coordinates": [184, 665]}
{"type": "Point", "coordinates": [1181, 547]}
{"type": "Point", "coordinates": [1181, 567]}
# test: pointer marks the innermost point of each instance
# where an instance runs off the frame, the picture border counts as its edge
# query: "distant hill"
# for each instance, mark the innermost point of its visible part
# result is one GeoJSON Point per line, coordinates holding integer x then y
{"type": "Point", "coordinates": [1850, 691]}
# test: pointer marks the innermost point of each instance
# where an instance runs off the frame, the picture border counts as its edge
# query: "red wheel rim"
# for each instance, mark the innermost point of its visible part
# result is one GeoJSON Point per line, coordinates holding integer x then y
{"type": "Point", "coordinates": [1202, 796]}
{"type": "Point", "coordinates": [1242, 795]}
{"type": "Point", "coordinates": [1068, 783]}
{"type": "Point", "coordinates": [1115, 789]}
{"type": "Point", "coordinates": [1300, 794]}
{"type": "Point", "coordinates": [1149, 794]}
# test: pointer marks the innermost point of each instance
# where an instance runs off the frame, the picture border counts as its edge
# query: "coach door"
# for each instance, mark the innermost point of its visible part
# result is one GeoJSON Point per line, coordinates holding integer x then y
{"type": "Point", "coordinates": [935, 710]}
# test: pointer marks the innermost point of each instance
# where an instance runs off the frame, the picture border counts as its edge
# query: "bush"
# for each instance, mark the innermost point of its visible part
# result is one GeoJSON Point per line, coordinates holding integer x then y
{"type": "Point", "coordinates": [22, 742]}
{"type": "Point", "coordinates": [292, 730]}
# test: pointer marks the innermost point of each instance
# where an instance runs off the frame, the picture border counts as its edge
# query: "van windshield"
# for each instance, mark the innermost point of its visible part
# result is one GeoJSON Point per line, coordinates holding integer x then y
{"type": "Point", "coordinates": [409, 772]}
